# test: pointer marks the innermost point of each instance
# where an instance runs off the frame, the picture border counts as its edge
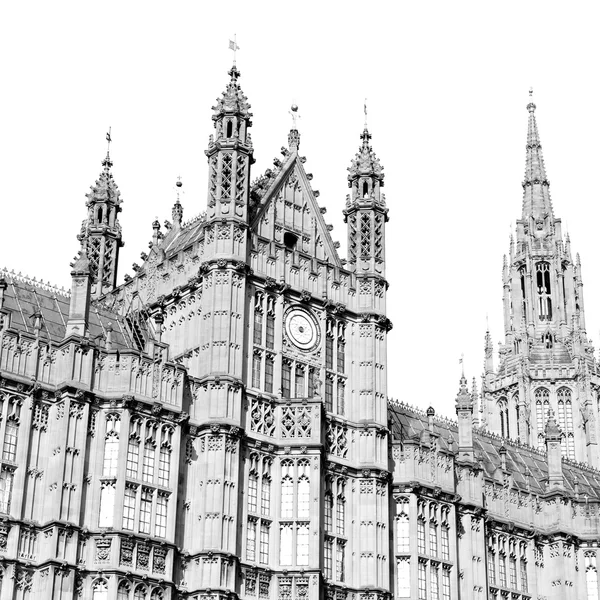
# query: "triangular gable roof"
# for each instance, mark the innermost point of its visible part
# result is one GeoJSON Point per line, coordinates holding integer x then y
{"type": "Point", "coordinates": [291, 187]}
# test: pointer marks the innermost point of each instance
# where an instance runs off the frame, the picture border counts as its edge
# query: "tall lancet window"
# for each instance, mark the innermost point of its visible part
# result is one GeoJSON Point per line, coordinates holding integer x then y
{"type": "Point", "coordinates": [522, 274]}
{"type": "Point", "coordinates": [591, 576]}
{"type": "Point", "coordinates": [111, 445]}
{"type": "Point", "coordinates": [543, 291]}
{"type": "Point", "coordinates": [565, 422]}
{"type": "Point", "coordinates": [542, 406]}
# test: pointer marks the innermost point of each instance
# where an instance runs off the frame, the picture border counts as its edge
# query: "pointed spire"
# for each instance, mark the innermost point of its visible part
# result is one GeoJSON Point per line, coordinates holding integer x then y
{"type": "Point", "coordinates": [536, 193]}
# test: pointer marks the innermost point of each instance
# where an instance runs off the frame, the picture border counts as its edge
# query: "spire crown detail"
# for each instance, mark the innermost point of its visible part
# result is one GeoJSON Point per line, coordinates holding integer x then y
{"type": "Point", "coordinates": [233, 100]}
{"type": "Point", "coordinates": [365, 163]}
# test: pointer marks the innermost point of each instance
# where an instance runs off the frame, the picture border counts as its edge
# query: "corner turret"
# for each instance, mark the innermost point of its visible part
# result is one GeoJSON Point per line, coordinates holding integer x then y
{"type": "Point", "coordinates": [101, 232]}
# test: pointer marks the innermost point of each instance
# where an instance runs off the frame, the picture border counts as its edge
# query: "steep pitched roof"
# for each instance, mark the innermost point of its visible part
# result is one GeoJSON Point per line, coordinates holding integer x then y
{"type": "Point", "coordinates": [527, 466]}
{"type": "Point", "coordinates": [26, 298]}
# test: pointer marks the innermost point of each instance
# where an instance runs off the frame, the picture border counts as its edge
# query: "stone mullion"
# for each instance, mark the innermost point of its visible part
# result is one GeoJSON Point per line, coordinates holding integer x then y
{"type": "Point", "coordinates": [20, 473]}
{"type": "Point", "coordinates": [173, 475]}
{"type": "Point", "coordinates": [80, 440]}
{"type": "Point", "coordinates": [562, 317]}
{"type": "Point", "coordinates": [120, 484]}
{"type": "Point", "coordinates": [532, 305]}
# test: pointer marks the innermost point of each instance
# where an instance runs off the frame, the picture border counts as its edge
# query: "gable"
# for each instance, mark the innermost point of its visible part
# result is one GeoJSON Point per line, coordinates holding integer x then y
{"type": "Point", "coordinates": [289, 206]}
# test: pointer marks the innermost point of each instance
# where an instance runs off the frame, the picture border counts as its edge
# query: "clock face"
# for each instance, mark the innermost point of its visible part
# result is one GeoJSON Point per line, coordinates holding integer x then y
{"type": "Point", "coordinates": [301, 328]}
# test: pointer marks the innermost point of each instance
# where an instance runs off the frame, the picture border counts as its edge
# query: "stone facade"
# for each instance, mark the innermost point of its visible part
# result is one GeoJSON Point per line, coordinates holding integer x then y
{"type": "Point", "coordinates": [218, 425]}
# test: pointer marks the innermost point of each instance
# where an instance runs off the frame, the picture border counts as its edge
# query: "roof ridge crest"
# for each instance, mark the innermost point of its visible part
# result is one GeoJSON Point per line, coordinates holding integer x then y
{"type": "Point", "coordinates": [44, 285]}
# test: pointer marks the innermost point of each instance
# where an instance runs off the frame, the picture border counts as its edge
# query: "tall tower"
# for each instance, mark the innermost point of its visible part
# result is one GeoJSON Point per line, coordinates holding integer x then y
{"type": "Point", "coordinates": [101, 232]}
{"type": "Point", "coordinates": [546, 361]}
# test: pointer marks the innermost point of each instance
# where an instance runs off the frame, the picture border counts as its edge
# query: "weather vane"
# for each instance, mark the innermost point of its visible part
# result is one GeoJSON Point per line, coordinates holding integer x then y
{"type": "Point", "coordinates": [234, 46]}
{"type": "Point", "coordinates": [365, 113]}
{"type": "Point", "coordinates": [109, 140]}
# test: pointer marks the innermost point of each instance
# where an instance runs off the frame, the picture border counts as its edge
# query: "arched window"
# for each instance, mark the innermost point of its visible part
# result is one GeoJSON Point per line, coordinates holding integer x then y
{"type": "Point", "coordinates": [365, 189]}
{"type": "Point", "coordinates": [156, 594]}
{"type": "Point", "coordinates": [9, 450]}
{"type": "Point", "coordinates": [229, 129]}
{"type": "Point", "coordinates": [141, 593]}
{"type": "Point", "coordinates": [107, 504]}
{"type": "Point", "coordinates": [522, 273]}
{"type": "Point", "coordinates": [565, 422]}
{"type": "Point", "coordinates": [252, 492]}
{"type": "Point", "coordinates": [100, 590]}
{"type": "Point", "coordinates": [548, 340]}
{"type": "Point", "coordinates": [100, 215]}
{"type": "Point", "coordinates": [287, 490]}
{"type": "Point", "coordinates": [543, 291]}
{"type": "Point", "coordinates": [517, 413]}
{"type": "Point", "coordinates": [542, 406]}
{"type": "Point", "coordinates": [149, 453]}
{"type": "Point", "coordinates": [328, 511]}
{"type": "Point", "coordinates": [303, 490]}
{"type": "Point", "coordinates": [111, 445]}
{"type": "Point", "coordinates": [591, 576]}
{"type": "Point", "coordinates": [164, 459]}
{"type": "Point", "coordinates": [123, 591]}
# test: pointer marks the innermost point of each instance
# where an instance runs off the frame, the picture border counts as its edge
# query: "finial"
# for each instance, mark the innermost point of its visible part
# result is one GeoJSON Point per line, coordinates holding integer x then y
{"type": "Point", "coordinates": [462, 363]}
{"type": "Point", "coordinates": [107, 163]}
{"type": "Point", "coordinates": [233, 46]}
{"type": "Point", "coordinates": [294, 113]}
{"type": "Point", "coordinates": [531, 106]}
{"type": "Point", "coordinates": [293, 135]}
{"type": "Point", "coordinates": [366, 114]}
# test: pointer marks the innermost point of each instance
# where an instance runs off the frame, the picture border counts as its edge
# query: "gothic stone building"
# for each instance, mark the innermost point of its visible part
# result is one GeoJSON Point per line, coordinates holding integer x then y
{"type": "Point", "coordinates": [217, 426]}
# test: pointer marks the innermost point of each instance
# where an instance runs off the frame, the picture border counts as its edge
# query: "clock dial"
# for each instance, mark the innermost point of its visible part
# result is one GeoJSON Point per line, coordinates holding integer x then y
{"type": "Point", "coordinates": [301, 328]}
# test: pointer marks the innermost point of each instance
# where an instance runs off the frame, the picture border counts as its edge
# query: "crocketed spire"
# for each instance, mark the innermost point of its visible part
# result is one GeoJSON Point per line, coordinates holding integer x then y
{"type": "Point", "coordinates": [234, 101]}
{"type": "Point", "coordinates": [365, 163]}
{"type": "Point", "coordinates": [536, 192]}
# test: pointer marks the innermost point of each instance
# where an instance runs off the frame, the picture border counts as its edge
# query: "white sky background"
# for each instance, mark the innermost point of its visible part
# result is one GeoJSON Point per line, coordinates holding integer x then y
{"type": "Point", "coordinates": [447, 87]}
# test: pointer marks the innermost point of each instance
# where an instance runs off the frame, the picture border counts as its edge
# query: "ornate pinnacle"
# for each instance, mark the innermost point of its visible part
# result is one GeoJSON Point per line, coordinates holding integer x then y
{"type": "Point", "coordinates": [463, 398]}
{"type": "Point", "coordinates": [552, 430]}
